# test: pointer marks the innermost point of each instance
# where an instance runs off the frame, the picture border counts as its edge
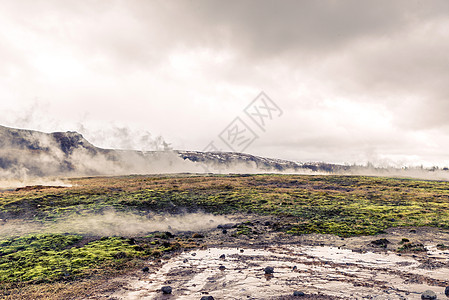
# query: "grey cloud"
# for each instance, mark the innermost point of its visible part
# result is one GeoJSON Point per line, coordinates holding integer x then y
{"type": "Point", "coordinates": [270, 28]}
{"type": "Point", "coordinates": [391, 53]}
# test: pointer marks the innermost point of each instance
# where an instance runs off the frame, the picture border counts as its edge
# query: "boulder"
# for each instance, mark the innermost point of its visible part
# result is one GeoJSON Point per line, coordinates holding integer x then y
{"type": "Point", "coordinates": [166, 289]}
{"type": "Point", "coordinates": [428, 295]}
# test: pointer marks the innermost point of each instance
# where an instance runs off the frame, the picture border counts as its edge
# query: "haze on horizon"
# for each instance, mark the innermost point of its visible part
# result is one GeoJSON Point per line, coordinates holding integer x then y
{"type": "Point", "coordinates": [357, 81]}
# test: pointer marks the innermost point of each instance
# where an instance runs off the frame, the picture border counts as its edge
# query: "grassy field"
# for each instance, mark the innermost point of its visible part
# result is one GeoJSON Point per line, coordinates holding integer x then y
{"type": "Point", "coordinates": [48, 264]}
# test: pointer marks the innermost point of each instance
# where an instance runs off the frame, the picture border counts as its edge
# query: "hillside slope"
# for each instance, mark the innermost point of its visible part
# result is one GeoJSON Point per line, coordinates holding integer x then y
{"type": "Point", "coordinates": [28, 153]}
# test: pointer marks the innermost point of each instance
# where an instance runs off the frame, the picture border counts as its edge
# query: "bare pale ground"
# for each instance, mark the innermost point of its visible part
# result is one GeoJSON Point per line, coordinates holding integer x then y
{"type": "Point", "coordinates": [321, 266]}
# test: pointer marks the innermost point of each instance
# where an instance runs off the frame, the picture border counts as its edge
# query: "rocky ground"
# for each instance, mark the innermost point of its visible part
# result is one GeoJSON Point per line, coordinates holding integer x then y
{"type": "Point", "coordinates": [326, 237]}
{"type": "Point", "coordinates": [232, 265]}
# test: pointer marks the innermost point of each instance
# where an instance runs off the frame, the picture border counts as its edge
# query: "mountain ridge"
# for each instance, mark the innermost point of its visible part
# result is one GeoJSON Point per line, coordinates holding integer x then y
{"type": "Point", "coordinates": [27, 152]}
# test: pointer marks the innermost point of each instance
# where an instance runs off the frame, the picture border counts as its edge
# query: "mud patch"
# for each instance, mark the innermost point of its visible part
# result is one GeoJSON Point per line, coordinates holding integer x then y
{"type": "Point", "coordinates": [314, 270]}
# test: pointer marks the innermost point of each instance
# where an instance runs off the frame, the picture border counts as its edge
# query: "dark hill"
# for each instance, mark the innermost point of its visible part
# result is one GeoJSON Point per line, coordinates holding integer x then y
{"type": "Point", "coordinates": [33, 153]}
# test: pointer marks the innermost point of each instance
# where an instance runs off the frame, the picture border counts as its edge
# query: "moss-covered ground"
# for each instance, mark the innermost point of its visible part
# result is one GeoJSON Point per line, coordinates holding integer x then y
{"type": "Point", "coordinates": [341, 205]}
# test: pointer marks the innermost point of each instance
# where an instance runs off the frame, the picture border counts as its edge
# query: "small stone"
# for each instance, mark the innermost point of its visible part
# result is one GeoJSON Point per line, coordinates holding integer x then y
{"type": "Point", "coordinates": [166, 289]}
{"type": "Point", "coordinates": [267, 223]}
{"type": "Point", "coordinates": [294, 268]}
{"type": "Point", "coordinates": [222, 256]}
{"type": "Point", "coordinates": [224, 231]}
{"type": "Point", "coordinates": [428, 295]}
{"type": "Point", "coordinates": [269, 270]}
{"type": "Point", "coordinates": [298, 294]}
{"type": "Point", "coordinates": [241, 250]}
{"type": "Point", "coordinates": [207, 298]}
{"type": "Point", "coordinates": [222, 268]}
{"type": "Point", "coordinates": [382, 243]}
{"type": "Point", "coordinates": [120, 255]}
{"type": "Point", "coordinates": [146, 269]}
{"type": "Point", "coordinates": [197, 236]}
{"type": "Point", "coordinates": [193, 254]}
{"type": "Point", "coordinates": [446, 291]}
{"type": "Point", "coordinates": [185, 260]}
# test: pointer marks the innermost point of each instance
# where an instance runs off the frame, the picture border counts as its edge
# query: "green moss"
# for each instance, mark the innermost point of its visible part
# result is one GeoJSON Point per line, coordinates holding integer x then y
{"type": "Point", "coordinates": [343, 205]}
{"type": "Point", "coordinates": [50, 257]}
{"type": "Point", "coordinates": [412, 247]}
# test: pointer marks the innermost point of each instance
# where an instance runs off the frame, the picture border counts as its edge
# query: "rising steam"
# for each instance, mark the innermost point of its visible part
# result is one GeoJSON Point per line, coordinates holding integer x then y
{"type": "Point", "coordinates": [116, 223]}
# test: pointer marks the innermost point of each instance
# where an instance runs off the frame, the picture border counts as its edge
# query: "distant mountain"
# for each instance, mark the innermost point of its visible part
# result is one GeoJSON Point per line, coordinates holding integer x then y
{"type": "Point", "coordinates": [29, 154]}
{"type": "Point", "coordinates": [35, 154]}
{"type": "Point", "coordinates": [218, 160]}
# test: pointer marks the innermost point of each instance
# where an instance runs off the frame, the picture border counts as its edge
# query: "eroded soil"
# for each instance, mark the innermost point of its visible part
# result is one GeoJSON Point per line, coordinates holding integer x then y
{"type": "Point", "coordinates": [321, 266]}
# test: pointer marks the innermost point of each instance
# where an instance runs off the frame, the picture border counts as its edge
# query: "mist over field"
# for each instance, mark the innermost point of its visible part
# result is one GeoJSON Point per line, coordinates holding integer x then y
{"type": "Point", "coordinates": [113, 223]}
{"type": "Point", "coordinates": [240, 149]}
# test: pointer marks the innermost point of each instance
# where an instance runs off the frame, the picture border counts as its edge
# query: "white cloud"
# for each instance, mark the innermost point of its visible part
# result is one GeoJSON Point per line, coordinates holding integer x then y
{"type": "Point", "coordinates": [357, 80]}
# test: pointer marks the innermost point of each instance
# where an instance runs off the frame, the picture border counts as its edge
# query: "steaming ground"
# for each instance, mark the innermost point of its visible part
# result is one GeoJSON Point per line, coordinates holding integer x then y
{"type": "Point", "coordinates": [113, 223]}
{"type": "Point", "coordinates": [12, 184]}
{"type": "Point", "coordinates": [266, 220]}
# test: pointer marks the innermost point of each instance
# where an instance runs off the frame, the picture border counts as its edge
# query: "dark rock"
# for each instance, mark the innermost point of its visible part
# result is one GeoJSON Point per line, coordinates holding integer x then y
{"type": "Point", "coordinates": [169, 234]}
{"type": "Point", "coordinates": [412, 231]}
{"type": "Point", "coordinates": [446, 291]}
{"type": "Point", "coordinates": [269, 270]}
{"type": "Point", "coordinates": [382, 243]}
{"type": "Point", "coordinates": [185, 260]}
{"type": "Point", "coordinates": [294, 268]}
{"type": "Point", "coordinates": [224, 231]}
{"type": "Point", "coordinates": [222, 256]}
{"type": "Point", "coordinates": [207, 298]}
{"type": "Point", "coordinates": [222, 268]}
{"type": "Point", "coordinates": [120, 255]}
{"type": "Point", "coordinates": [193, 254]}
{"type": "Point", "coordinates": [146, 269]}
{"type": "Point", "coordinates": [225, 226]}
{"type": "Point", "coordinates": [166, 289]}
{"type": "Point", "coordinates": [298, 294]}
{"type": "Point", "coordinates": [428, 295]}
{"type": "Point", "coordinates": [267, 223]}
{"type": "Point", "coordinates": [241, 250]}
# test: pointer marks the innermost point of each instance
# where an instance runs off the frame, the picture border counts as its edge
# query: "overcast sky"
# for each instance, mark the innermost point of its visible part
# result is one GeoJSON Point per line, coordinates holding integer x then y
{"type": "Point", "coordinates": [356, 81]}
